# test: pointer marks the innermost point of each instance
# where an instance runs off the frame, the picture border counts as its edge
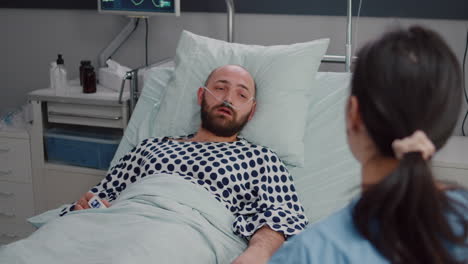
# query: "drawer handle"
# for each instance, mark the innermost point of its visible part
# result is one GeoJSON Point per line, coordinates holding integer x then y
{"type": "Point", "coordinates": [4, 150]}
{"type": "Point", "coordinates": [85, 116]}
{"type": "Point", "coordinates": [6, 194]}
{"type": "Point", "coordinates": [9, 215]}
{"type": "Point", "coordinates": [11, 236]}
{"type": "Point", "coordinates": [5, 173]}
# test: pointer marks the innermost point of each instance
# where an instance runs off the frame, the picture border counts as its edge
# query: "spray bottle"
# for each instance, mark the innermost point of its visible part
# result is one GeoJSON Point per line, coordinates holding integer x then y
{"type": "Point", "coordinates": [60, 83]}
{"type": "Point", "coordinates": [53, 65]}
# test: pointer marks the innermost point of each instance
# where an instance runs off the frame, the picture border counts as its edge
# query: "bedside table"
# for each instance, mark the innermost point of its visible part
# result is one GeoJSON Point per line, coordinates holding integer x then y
{"type": "Point", "coordinates": [451, 162]}
{"type": "Point", "coordinates": [16, 189]}
{"type": "Point", "coordinates": [54, 183]}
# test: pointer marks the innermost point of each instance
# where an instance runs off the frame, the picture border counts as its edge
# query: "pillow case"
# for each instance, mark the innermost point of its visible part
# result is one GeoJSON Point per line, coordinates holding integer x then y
{"type": "Point", "coordinates": [330, 177]}
{"type": "Point", "coordinates": [284, 75]}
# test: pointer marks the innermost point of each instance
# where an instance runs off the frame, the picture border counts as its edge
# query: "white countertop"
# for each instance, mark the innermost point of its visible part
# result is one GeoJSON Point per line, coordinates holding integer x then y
{"type": "Point", "coordinates": [75, 94]}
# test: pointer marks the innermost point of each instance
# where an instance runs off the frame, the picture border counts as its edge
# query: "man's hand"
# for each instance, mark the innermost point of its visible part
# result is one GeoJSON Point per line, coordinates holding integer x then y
{"type": "Point", "coordinates": [82, 203]}
{"type": "Point", "coordinates": [251, 256]}
{"type": "Point", "coordinates": [262, 246]}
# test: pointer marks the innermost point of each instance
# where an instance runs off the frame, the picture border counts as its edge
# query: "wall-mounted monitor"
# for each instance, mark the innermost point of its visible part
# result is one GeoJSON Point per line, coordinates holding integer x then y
{"type": "Point", "coordinates": [140, 7]}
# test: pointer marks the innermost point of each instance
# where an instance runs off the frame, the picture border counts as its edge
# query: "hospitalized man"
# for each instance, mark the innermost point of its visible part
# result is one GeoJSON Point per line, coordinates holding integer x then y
{"type": "Point", "coordinates": [249, 180]}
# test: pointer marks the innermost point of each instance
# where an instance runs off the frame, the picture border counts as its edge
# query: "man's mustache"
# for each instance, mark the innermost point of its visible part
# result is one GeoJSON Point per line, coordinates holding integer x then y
{"type": "Point", "coordinates": [225, 106]}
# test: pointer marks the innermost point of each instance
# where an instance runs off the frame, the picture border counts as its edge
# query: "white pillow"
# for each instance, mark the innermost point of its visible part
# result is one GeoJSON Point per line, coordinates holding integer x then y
{"type": "Point", "coordinates": [331, 175]}
{"type": "Point", "coordinates": [285, 76]}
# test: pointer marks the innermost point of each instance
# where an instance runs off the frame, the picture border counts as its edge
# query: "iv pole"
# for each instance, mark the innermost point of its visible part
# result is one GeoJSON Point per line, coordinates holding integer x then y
{"type": "Point", "coordinates": [348, 47]}
{"type": "Point", "coordinates": [230, 19]}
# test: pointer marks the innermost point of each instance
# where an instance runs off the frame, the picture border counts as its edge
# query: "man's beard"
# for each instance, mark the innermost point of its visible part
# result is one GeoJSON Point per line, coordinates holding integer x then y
{"type": "Point", "coordinates": [211, 121]}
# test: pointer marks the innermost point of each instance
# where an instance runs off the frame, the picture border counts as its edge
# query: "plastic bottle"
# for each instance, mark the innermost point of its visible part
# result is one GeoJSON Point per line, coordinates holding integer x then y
{"type": "Point", "coordinates": [60, 77]}
{"type": "Point", "coordinates": [89, 79]}
{"type": "Point", "coordinates": [83, 65]}
{"type": "Point", "coordinates": [53, 65]}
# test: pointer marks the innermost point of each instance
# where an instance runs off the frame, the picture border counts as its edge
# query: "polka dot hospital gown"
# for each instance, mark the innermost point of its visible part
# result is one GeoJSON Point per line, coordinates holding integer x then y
{"type": "Point", "coordinates": [249, 180]}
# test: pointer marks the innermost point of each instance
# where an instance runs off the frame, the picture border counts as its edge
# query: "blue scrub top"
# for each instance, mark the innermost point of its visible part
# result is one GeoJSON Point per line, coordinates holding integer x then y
{"type": "Point", "coordinates": [336, 240]}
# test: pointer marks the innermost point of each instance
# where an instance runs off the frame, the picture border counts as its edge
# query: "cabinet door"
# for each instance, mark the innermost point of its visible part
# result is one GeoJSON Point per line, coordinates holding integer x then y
{"type": "Point", "coordinates": [89, 115]}
{"type": "Point", "coordinates": [455, 175]}
{"type": "Point", "coordinates": [15, 160]}
{"type": "Point", "coordinates": [16, 205]}
{"type": "Point", "coordinates": [63, 187]}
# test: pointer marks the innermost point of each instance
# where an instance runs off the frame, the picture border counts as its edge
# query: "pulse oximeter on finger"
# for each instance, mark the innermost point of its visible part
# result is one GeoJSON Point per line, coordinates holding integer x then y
{"type": "Point", "coordinates": [95, 202]}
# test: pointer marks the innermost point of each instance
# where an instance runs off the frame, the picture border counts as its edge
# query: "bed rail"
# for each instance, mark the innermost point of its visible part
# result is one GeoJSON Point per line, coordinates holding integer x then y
{"type": "Point", "coordinates": [132, 77]}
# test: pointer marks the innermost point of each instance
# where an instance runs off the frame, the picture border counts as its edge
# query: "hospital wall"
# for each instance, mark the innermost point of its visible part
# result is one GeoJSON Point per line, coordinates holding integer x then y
{"type": "Point", "coordinates": [30, 40]}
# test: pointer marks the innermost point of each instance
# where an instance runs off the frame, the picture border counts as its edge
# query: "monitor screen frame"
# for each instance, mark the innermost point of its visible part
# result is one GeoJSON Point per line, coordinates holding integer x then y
{"type": "Point", "coordinates": [141, 14]}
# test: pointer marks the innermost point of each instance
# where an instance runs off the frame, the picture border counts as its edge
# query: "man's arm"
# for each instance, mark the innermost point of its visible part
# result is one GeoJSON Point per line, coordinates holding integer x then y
{"type": "Point", "coordinates": [116, 180]}
{"type": "Point", "coordinates": [262, 246]}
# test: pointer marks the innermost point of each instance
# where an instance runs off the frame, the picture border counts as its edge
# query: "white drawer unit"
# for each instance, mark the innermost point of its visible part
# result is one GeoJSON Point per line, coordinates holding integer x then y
{"type": "Point", "coordinates": [451, 162]}
{"type": "Point", "coordinates": [101, 109]}
{"type": "Point", "coordinates": [450, 173]}
{"type": "Point", "coordinates": [14, 160]}
{"type": "Point", "coordinates": [16, 200]}
{"type": "Point", "coordinates": [16, 189]}
{"type": "Point", "coordinates": [16, 206]}
{"type": "Point", "coordinates": [56, 183]}
{"type": "Point", "coordinates": [89, 115]}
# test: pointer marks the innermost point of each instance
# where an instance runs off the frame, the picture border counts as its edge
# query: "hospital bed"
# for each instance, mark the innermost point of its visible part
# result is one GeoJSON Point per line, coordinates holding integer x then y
{"type": "Point", "coordinates": [329, 177]}
{"type": "Point", "coordinates": [149, 219]}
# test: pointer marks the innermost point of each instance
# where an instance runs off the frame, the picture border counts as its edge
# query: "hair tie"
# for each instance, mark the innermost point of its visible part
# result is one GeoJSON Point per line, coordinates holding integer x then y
{"type": "Point", "coordinates": [417, 142]}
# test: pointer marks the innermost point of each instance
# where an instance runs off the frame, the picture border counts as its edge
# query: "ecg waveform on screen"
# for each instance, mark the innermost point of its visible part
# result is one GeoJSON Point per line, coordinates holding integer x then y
{"type": "Point", "coordinates": [162, 3]}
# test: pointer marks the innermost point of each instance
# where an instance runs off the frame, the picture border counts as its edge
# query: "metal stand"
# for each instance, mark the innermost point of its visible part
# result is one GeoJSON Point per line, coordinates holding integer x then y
{"type": "Point", "coordinates": [132, 77]}
{"type": "Point", "coordinates": [349, 35]}
{"type": "Point", "coordinates": [116, 43]}
{"type": "Point", "coordinates": [230, 21]}
{"type": "Point", "coordinates": [347, 59]}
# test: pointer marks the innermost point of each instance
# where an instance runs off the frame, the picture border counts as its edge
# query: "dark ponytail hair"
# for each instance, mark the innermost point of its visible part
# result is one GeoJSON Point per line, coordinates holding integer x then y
{"type": "Point", "coordinates": [405, 81]}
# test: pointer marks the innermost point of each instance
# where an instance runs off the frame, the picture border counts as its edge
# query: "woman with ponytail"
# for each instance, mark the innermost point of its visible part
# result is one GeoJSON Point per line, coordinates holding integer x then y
{"type": "Point", "coordinates": [404, 104]}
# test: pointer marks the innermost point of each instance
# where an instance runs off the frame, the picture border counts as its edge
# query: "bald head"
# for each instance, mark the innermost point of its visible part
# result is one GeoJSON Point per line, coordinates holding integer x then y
{"type": "Point", "coordinates": [227, 101]}
{"type": "Point", "coordinates": [244, 77]}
